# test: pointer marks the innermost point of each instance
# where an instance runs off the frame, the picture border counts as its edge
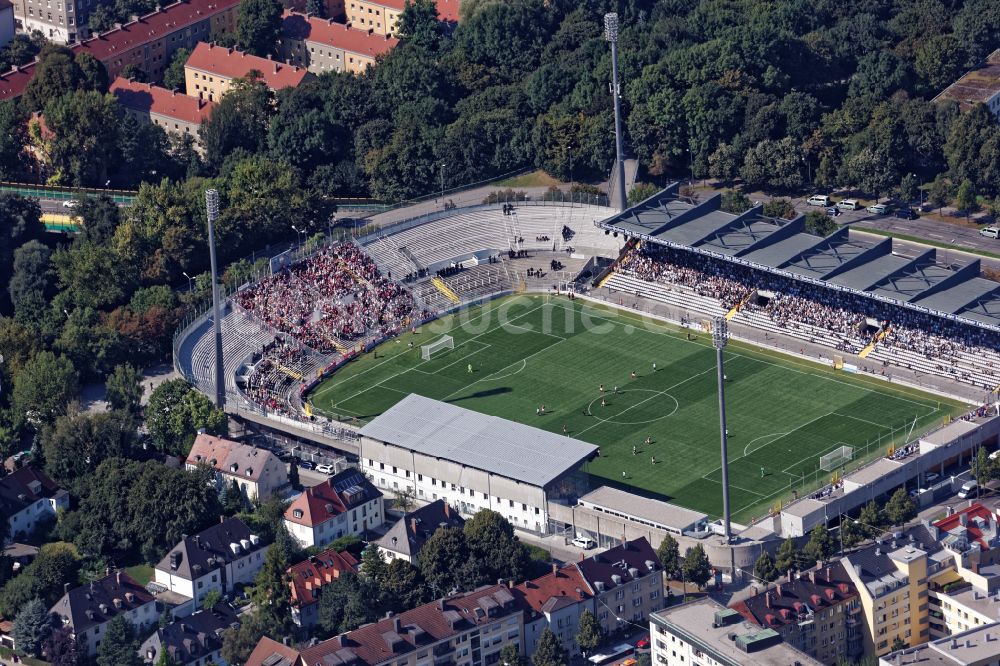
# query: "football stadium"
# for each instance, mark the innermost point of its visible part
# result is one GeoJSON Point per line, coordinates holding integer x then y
{"type": "Point", "coordinates": [597, 325]}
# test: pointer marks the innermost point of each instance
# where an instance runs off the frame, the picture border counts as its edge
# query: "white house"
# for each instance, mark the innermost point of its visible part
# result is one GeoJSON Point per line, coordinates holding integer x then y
{"type": "Point", "coordinates": [256, 472]}
{"type": "Point", "coordinates": [27, 498]}
{"type": "Point", "coordinates": [346, 503]}
{"type": "Point", "coordinates": [88, 608]}
{"type": "Point", "coordinates": [218, 558]}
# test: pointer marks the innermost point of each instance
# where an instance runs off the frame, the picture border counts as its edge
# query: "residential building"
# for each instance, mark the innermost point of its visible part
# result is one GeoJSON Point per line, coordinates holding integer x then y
{"type": "Point", "coordinates": [891, 581]}
{"type": "Point", "coordinates": [381, 17]}
{"type": "Point", "coordinates": [28, 498]}
{"type": "Point", "coordinates": [407, 536]}
{"type": "Point", "coordinates": [437, 450]}
{"type": "Point", "coordinates": [149, 42]}
{"type": "Point", "coordinates": [210, 71]}
{"type": "Point", "coordinates": [554, 601]}
{"type": "Point", "coordinates": [626, 582]}
{"type": "Point", "coordinates": [176, 113]}
{"type": "Point", "coordinates": [704, 632]}
{"type": "Point", "coordinates": [256, 472]}
{"type": "Point", "coordinates": [85, 610]}
{"type": "Point", "coordinates": [217, 558]}
{"type": "Point", "coordinates": [8, 24]}
{"type": "Point", "coordinates": [346, 503]}
{"type": "Point", "coordinates": [322, 45]}
{"type": "Point", "coordinates": [975, 647]}
{"type": "Point", "coordinates": [468, 629]}
{"type": "Point", "coordinates": [978, 86]}
{"type": "Point", "coordinates": [195, 640]}
{"type": "Point", "coordinates": [818, 612]}
{"type": "Point", "coordinates": [307, 579]}
{"type": "Point", "coordinates": [63, 22]}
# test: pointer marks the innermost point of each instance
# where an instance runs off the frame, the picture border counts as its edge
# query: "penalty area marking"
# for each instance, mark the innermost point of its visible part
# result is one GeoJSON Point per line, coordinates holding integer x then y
{"type": "Point", "coordinates": [494, 377]}
{"type": "Point", "coordinates": [770, 438]}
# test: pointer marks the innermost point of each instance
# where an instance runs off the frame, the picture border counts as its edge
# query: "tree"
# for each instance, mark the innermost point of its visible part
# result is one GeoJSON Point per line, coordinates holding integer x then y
{"type": "Point", "coordinates": [346, 603]}
{"type": "Point", "coordinates": [820, 224]}
{"type": "Point", "coordinates": [774, 165]}
{"type": "Point", "coordinates": [165, 659]}
{"type": "Point", "coordinates": [239, 121]}
{"type": "Point", "coordinates": [982, 468]}
{"type": "Point", "coordinates": [124, 388]}
{"type": "Point", "coordinates": [641, 192]}
{"type": "Point", "coordinates": [939, 192]}
{"type": "Point", "coordinates": [444, 561]}
{"type": "Point", "coordinates": [173, 75]}
{"type": "Point", "coordinates": [57, 563]}
{"type": "Point", "coordinates": [44, 387]}
{"type": "Point", "coordinates": [419, 24]}
{"type": "Point", "coordinates": [589, 634]}
{"type": "Point", "coordinates": [510, 655]}
{"type": "Point", "coordinates": [851, 534]}
{"type": "Point", "coordinates": [787, 558]}
{"type": "Point", "coordinates": [119, 646]}
{"type": "Point", "coordinates": [900, 507]}
{"type": "Point", "coordinates": [820, 545]}
{"type": "Point", "coordinates": [373, 565]}
{"type": "Point", "coordinates": [175, 413]}
{"type": "Point", "coordinates": [494, 548]}
{"type": "Point", "coordinates": [20, 222]}
{"type": "Point", "coordinates": [669, 554]}
{"type": "Point", "coordinates": [237, 644]}
{"type": "Point", "coordinates": [84, 136]}
{"type": "Point", "coordinates": [212, 597]}
{"type": "Point", "coordinates": [402, 588]}
{"type": "Point", "coordinates": [258, 26]}
{"type": "Point", "coordinates": [30, 284]}
{"type": "Point", "coordinates": [898, 644]}
{"type": "Point", "coordinates": [872, 519]}
{"type": "Point", "coordinates": [765, 569]}
{"type": "Point", "coordinates": [270, 594]}
{"type": "Point", "coordinates": [132, 72]}
{"type": "Point", "coordinates": [696, 566]}
{"type": "Point", "coordinates": [31, 627]}
{"type": "Point", "coordinates": [293, 473]}
{"type": "Point", "coordinates": [61, 649]}
{"type": "Point", "coordinates": [13, 138]}
{"type": "Point", "coordinates": [965, 197]}
{"type": "Point", "coordinates": [735, 202]}
{"type": "Point", "coordinates": [549, 651]}
{"type": "Point", "coordinates": [75, 444]}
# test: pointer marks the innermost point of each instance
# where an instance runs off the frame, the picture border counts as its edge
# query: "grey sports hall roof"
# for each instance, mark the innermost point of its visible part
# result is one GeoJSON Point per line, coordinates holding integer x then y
{"type": "Point", "coordinates": [488, 443]}
{"type": "Point", "coordinates": [845, 260]}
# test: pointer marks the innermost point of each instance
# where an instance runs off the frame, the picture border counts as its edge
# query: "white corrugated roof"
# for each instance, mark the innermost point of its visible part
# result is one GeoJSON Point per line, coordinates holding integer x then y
{"type": "Point", "coordinates": [488, 443]}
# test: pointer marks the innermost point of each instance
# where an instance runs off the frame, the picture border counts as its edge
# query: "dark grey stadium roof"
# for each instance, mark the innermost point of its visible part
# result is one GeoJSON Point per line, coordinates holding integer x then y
{"type": "Point", "coordinates": [488, 443]}
{"type": "Point", "coordinates": [847, 260]}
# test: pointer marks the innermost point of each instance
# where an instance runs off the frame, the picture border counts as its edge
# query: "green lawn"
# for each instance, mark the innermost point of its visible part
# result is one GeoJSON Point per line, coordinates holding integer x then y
{"type": "Point", "coordinates": [141, 573]}
{"type": "Point", "coordinates": [531, 350]}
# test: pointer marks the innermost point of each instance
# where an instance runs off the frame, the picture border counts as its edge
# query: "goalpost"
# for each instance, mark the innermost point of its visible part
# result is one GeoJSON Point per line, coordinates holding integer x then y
{"type": "Point", "coordinates": [428, 350]}
{"type": "Point", "coordinates": [835, 459]}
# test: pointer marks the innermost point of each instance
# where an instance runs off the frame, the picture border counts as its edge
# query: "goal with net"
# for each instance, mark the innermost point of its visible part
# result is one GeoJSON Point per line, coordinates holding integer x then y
{"type": "Point", "coordinates": [836, 458]}
{"type": "Point", "coordinates": [442, 343]}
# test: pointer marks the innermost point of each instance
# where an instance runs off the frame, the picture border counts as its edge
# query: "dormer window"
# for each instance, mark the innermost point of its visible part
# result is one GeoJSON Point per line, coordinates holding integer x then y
{"type": "Point", "coordinates": [297, 513]}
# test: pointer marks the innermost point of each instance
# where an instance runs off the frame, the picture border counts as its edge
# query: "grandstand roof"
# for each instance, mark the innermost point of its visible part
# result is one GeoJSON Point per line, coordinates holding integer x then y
{"type": "Point", "coordinates": [488, 443]}
{"type": "Point", "coordinates": [745, 232]}
{"type": "Point", "coordinates": [882, 268]}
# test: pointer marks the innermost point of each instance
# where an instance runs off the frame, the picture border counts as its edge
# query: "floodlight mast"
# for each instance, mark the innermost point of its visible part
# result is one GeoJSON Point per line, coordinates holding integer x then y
{"type": "Point", "coordinates": [212, 209]}
{"type": "Point", "coordinates": [720, 336]}
{"type": "Point", "coordinates": [611, 35]}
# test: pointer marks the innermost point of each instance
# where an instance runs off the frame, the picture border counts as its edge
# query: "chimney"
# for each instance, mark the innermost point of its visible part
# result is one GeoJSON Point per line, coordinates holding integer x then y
{"type": "Point", "coordinates": [778, 588]}
{"type": "Point", "coordinates": [447, 510]}
{"type": "Point", "coordinates": [812, 577]}
{"type": "Point", "coordinates": [66, 588]}
{"type": "Point", "coordinates": [790, 574]}
{"type": "Point", "coordinates": [413, 525]}
{"type": "Point", "coordinates": [118, 577]}
{"type": "Point", "coordinates": [395, 623]}
{"type": "Point", "coordinates": [767, 599]}
{"type": "Point", "coordinates": [829, 573]}
{"type": "Point", "coordinates": [555, 569]}
{"type": "Point", "coordinates": [440, 604]}
{"type": "Point", "coordinates": [510, 584]}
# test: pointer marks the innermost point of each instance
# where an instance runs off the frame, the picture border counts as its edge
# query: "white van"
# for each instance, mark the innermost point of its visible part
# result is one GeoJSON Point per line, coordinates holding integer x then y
{"type": "Point", "coordinates": [848, 204]}
{"type": "Point", "coordinates": [968, 489]}
{"type": "Point", "coordinates": [584, 542]}
{"type": "Point", "coordinates": [818, 200]}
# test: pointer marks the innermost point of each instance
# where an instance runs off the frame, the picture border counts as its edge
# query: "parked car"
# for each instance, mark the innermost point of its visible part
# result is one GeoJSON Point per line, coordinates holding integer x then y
{"type": "Point", "coordinates": [990, 232]}
{"type": "Point", "coordinates": [324, 469]}
{"type": "Point", "coordinates": [848, 204]}
{"type": "Point", "coordinates": [71, 204]}
{"type": "Point", "coordinates": [642, 644]}
{"type": "Point", "coordinates": [818, 200]}
{"type": "Point", "coordinates": [907, 213]}
{"type": "Point", "coordinates": [878, 209]}
{"type": "Point", "coordinates": [833, 211]}
{"type": "Point", "coordinates": [931, 477]}
{"type": "Point", "coordinates": [584, 542]}
{"type": "Point", "coordinates": [307, 464]}
{"type": "Point", "coordinates": [968, 489]}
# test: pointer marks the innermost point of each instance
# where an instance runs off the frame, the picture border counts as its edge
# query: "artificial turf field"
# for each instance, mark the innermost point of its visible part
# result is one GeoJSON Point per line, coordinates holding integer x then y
{"type": "Point", "coordinates": [532, 350]}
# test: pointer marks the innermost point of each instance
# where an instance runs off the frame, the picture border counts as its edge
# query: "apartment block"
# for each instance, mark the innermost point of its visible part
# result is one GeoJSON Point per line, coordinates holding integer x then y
{"type": "Point", "coordinates": [322, 45]}
{"type": "Point", "coordinates": [63, 21]}
{"type": "Point", "coordinates": [176, 113]}
{"type": "Point", "coordinates": [468, 629]}
{"type": "Point", "coordinates": [382, 16]}
{"type": "Point", "coordinates": [211, 69]}
{"type": "Point", "coordinates": [307, 578]}
{"type": "Point", "coordinates": [345, 504]}
{"type": "Point", "coordinates": [817, 612]}
{"type": "Point", "coordinates": [706, 633]}
{"type": "Point", "coordinates": [149, 42]}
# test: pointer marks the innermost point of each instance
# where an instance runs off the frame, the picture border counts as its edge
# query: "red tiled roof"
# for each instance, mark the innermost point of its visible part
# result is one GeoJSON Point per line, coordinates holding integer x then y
{"type": "Point", "coordinates": [337, 35]}
{"type": "Point", "coordinates": [310, 575]}
{"type": "Point", "coordinates": [378, 642]}
{"type": "Point", "coordinates": [146, 29]}
{"type": "Point", "coordinates": [234, 64]}
{"type": "Point", "coordinates": [267, 648]}
{"type": "Point", "coordinates": [322, 502]}
{"type": "Point", "coordinates": [563, 584]}
{"type": "Point", "coordinates": [974, 516]}
{"type": "Point", "coordinates": [154, 99]}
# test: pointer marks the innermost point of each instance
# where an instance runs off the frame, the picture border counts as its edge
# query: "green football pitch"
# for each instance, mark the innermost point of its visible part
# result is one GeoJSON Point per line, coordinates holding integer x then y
{"type": "Point", "coordinates": [532, 350]}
